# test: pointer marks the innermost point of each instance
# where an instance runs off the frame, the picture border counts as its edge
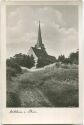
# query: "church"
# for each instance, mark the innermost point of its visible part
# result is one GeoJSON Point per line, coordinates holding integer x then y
{"type": "Point", "coordinates": [39, 52]}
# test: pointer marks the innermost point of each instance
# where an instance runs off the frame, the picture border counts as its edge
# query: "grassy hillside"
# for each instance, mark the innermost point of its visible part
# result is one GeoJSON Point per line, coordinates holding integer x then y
{"type": "Point", "coordinates": [51, 86]}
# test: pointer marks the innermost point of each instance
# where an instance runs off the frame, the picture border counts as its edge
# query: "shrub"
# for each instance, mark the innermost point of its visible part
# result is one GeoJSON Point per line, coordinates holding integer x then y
{"type": "Point", "coordinates": [12, 68]}
{"type": "Point", "coordinates": [72, 59]}
{"type": "Point", "coordinates": [13, 100]}
{"type": "Point", "coordinates": [24, 60]}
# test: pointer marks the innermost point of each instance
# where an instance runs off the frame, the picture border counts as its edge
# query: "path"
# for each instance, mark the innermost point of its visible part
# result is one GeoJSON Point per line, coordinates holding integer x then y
{"type": "Point", "coordinates": [33, 97]}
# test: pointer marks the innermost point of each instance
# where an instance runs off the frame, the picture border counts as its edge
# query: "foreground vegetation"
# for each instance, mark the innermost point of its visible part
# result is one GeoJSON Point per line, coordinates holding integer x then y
{"type": "Point", "coordinates": [53, 86]}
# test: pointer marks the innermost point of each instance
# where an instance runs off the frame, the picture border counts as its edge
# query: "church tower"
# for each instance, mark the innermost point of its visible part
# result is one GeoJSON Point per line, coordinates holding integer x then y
{"type": "Point", "coordinates": [39, 44]}
{"type": "Point", "coordinates": [39, 51]}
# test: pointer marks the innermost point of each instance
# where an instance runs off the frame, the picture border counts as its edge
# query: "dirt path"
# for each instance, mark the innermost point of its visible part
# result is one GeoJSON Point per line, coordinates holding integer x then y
{"type": "Point", "coordinates": [33, 97]}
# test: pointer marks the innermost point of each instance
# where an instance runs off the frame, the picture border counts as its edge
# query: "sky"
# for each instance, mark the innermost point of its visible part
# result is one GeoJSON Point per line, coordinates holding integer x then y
{"type": "Point", "coordinates": [59, 28]}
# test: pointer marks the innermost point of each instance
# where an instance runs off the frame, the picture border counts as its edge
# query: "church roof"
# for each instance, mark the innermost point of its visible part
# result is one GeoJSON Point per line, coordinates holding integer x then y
{"type": "Point", "coordinates": [39, 52]}
{"type": "Point", "coordinates": [39, 49]}
{"type": "Point", "coordinates": [42, 54]}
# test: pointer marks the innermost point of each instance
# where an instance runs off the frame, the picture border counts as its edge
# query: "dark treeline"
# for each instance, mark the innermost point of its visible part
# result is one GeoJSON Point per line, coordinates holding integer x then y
{"type": "Point", "coordinates": [21, 60]}
{"type": "Point", "coordinates": [14, 63]}
{"type": "Point", "coordinates": [72, 59]}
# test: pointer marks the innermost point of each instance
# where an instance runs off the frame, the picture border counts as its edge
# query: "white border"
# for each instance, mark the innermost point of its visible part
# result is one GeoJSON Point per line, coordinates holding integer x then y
{"type": "Point", "coordinates": [43, 115]}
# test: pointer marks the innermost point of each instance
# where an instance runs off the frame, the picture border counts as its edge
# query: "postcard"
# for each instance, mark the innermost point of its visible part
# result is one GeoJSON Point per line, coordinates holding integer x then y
{"type": "Point", "coordinates": [40, 62]}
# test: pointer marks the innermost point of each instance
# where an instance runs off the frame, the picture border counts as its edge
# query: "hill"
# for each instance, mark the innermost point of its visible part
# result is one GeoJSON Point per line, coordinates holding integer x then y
{"type": "Point", "coordinates": [55, 85]}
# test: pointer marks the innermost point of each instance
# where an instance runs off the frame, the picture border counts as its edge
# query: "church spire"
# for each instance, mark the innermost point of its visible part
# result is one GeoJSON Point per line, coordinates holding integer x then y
{"type": "Point", "coordinates": [39, 40]}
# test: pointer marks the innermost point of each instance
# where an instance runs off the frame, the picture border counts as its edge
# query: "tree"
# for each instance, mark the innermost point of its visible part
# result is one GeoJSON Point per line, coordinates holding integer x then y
{"type": "Point", "coordinates": [61, 58]}
{"type": "Point", "coordinates": [22, 60]}
{"type": "Point", "coordinates": [74, 57]}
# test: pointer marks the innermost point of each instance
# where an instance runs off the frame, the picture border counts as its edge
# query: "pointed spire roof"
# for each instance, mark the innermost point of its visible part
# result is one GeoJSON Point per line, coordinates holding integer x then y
{"type": "Point", "coordinates": [39, 40]}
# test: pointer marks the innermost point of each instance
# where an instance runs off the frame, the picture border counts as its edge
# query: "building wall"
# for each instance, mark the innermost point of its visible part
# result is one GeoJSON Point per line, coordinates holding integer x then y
{"type": "Point", "coordinates": [31, 53]}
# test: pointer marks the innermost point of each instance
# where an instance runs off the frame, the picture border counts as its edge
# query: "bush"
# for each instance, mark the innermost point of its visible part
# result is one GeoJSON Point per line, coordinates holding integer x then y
{"type": "Point", "coordinates": [12, 68]}
{"type": "Point", "coordinates": [72, 59]}
{"type": "Point", "coordinates": [13, 100]}
{"type": "Point", "coordinates": [11, 63]}
{"type": "Point", "coordinates": [10, 72]}
{"type": "Point", "coordinates": [24, 60]}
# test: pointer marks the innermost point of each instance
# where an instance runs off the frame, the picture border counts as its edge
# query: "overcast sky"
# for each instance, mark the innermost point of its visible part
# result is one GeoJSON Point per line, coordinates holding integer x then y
{"type": "Point", "coordinates": [59, 27]}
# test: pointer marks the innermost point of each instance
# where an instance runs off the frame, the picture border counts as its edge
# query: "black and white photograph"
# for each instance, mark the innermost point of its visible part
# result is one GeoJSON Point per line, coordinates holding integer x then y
{"type": "Point", "coordinates": [44, 124]}
{"type": "Point", "coordinates": [42, 56]}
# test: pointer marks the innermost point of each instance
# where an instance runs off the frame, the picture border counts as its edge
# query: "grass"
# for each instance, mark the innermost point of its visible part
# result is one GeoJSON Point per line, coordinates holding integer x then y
{"type": "Point", "coordinates": [50, 87]}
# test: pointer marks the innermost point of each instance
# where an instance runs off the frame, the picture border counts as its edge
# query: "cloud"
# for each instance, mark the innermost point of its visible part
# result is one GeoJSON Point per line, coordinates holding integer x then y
{"type": "Point", "coordinates": [22, 28]}
{"type": "Point", "coordinates": [62, 40]}
{"type": "Point", "coordinates": [48, 14]}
